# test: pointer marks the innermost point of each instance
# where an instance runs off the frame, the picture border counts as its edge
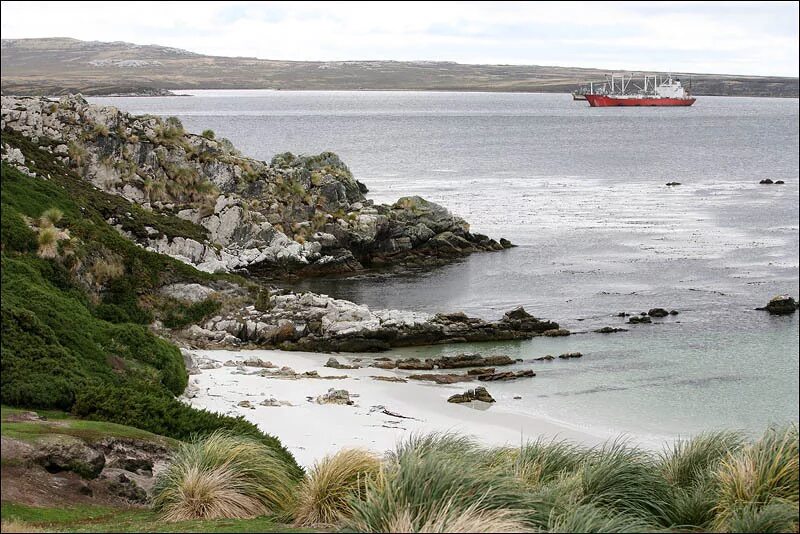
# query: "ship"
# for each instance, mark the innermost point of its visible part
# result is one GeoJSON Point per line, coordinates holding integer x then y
{"type": "Point", "coordinates": [657, 91]}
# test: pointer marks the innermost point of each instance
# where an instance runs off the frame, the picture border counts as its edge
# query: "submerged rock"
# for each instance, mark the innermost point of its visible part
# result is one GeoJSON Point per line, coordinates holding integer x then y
{"type": "Point", "coordinates": [610, 330]}
{"type": "Point", "coordinates": [570, 355]}
{"type": "Point", "coordinates": [506, 376]}
{"type": "Point", "coordinates": [640, 320]}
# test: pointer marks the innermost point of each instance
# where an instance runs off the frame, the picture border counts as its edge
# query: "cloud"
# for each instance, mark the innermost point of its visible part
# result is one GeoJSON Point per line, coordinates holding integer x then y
{"type": "Point", "coordinates": [736, 38]}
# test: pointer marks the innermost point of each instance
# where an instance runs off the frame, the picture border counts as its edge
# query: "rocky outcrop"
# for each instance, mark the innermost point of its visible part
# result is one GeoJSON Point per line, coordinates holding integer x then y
{"type": "Point", "coordinates": [610, 330]}
{"type": "Point", "coordinates": [303, 215]}
{"type": "Point", "coordinates": [316, 322]}
{"type": "Point", "coordinates": [781, 305]}
{"type": "Point", "coordinates": [477, 394]}
{"type": "Point", "coordinates": [70, 454]}
{"type": "Point", "coordinates": [506, 376]}
{"type": "Point", "coordinates": [471, 360]}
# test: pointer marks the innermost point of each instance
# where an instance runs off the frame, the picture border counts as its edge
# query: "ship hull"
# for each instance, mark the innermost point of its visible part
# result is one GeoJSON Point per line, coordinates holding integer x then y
{"type": "Point", "coordinates": [602, 101]}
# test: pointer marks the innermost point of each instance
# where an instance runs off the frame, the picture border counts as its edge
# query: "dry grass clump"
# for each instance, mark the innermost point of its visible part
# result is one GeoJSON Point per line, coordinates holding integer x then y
{"type": "Point", "coordinates": [223, 476]}
{"type": "Point", "coordinates": [12, 525]}
{"type": "Point", "coordinates": [326, 495]}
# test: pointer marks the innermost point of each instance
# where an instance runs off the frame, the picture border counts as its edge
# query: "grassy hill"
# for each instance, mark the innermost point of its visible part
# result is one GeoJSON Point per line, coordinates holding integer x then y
{"type": "Point", "coordinates": [62, 65]}
{"type": "Point", "coordinates": [77, 298]}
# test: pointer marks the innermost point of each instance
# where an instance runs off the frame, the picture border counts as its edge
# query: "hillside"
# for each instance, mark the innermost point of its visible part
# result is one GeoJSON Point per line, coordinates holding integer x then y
{"type": "Point", "coordinates": [57, 66]}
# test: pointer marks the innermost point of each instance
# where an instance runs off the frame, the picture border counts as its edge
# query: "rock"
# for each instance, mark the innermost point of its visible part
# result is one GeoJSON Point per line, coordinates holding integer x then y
{"type": "Point", "coordinates": [569, 355]}
{"type": "Point", "coordinates": [505, 243]}
{"type": "Point", "coordinates": [780, 305]}
{"type": "Point", "coordinates": [639, 320]}
{"type": "Point", "coordinates": [779, 182]}
{"type": "Point", "coordinates": [673, 183]}
{"type": "Point", "coordinates": [385, 364]}
{"type": "Point", "coordinates": [246, 404]}
{"type": "Point", "coordinates": [482, 371]}
{"type": "Point", "coordinates": [272, 401]}
{"type": "Point", "coordinates": [766, 181]}
{"type": "Point", "coordinates": [415, 364]}
{"type": "Point", "coordinates": [498, 359]}
{"type": "Point", "coordinates": [623, 314]}
{"type": "Point", "coordinates": [518, 314]}
{"type": "Point", "coordinates": [442, 378]}
{"type": "Point", "coordinates": [508, 375]}
{"type": "Point", "coordinates": [191, 293]}
{"type": "Point", "coordinates": [389, 379]}
{"type": "Point", "coordinates": [610, 330]}
{"type": "Point", "coordinates": [333, 363]}
{"type": "Point", "coordinates": [546, 358]}
{"type": "Point", "coordinates": [70, 455]}
{"type": "Point", "coordinates": [517, 397]}
{"type": "Point", "coordinates": [335, 396]}
{"type": "Point", "coordinates": [556, 332]}
{"type": "Point", "coordinates": [258, 362]}
{"type": "Point", "coordinates": [658, 312]}
{"type": "Point", "coordinates": [477, 394]}
{"type": "Point", "coordinates": [674, 312]}
{"type": "Point", "coordinates": [231, 363]}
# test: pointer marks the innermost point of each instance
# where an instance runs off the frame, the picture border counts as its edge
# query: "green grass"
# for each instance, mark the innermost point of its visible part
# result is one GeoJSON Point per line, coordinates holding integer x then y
{"type": "Point", "coordinates": [61, 423]}
{"type": "Point", "coordinates": [71, 344]}
{"type": "Point", "coordinates": [104, 519]}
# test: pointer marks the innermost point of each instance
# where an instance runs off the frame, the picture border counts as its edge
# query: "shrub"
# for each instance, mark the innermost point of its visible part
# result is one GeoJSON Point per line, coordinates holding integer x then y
{"type": "Point", "coordinates": [160, 413]}
{"type": "Point", "coordinates": [208, 134]}
{"type": "Point", "coordinates": [51, 217]}
{"type": "Point", "coordinates": [224, 476]}
{"type": "Point", "coordinates": [326, 495]}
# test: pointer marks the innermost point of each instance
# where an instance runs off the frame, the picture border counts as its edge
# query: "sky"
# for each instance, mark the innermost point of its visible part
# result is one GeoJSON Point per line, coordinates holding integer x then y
{"type": "Point", "coordinates": [758, 38]}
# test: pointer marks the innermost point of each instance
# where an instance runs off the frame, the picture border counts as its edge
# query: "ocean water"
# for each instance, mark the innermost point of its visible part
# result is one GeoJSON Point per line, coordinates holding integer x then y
{"type": "Point", "coordinates": [582, 192]}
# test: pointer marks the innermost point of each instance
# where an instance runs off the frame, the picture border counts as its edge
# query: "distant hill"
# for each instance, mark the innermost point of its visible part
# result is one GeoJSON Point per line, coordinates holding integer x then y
{"type": "Point", "coordinates": [61, 65]}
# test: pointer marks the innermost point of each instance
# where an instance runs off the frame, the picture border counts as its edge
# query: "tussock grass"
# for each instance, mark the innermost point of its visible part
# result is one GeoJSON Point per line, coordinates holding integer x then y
{"type": "Point", "coordinates": [326, 495]}
{"type": "Point", "coordinates": [223, 476]}
{"type": "Point", "coordinates": [623, 480]}
{"type": "Point", "coordinates": [540, 462]}
{"type": "Point", "coordinates": [777, 516]}
{"type": "Point", "coordinates": [754, 477]}
{"type": "Point", "coordinates": [694, 461]}
{"type": "Point", "coordinates": [12, 525]}
{"type": "Point", "coordinates": [589, 518]}
{"type": "Point", "coordinates": [430, 483]}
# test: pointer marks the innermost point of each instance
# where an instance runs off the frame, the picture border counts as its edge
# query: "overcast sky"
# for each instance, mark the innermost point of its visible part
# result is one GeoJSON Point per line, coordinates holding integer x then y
{"type": "Point", "coordinates": [717, 37]}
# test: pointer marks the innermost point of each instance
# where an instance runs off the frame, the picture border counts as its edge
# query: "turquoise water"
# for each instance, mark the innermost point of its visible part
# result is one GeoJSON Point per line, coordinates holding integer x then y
{"type": "Point", "coordinates": [581, 191]}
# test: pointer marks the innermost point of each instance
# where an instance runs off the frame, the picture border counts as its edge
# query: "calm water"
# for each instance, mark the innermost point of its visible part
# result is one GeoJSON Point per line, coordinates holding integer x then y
{"type": "Point", "coordinates": [581, 191]}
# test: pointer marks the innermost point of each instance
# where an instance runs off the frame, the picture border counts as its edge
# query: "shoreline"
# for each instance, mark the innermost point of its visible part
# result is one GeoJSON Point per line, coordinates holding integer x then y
{"type": "Point", "coordinates": [310, 430]}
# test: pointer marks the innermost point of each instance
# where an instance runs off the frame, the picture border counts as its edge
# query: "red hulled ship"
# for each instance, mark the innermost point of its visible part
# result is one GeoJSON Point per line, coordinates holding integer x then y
{"type": "Point", "coordinates": [656, 92]}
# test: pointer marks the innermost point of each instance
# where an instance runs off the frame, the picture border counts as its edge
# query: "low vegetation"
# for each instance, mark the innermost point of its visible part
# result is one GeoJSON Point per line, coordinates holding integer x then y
{"type": "Point", "coordinates": [77, 300]}
{"type": "Point", "coordinates": [449, 483]}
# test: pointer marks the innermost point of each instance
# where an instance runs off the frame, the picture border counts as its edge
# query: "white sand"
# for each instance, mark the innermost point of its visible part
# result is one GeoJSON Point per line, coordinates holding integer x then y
{"type": "Point", "coordinates": [310, 430]}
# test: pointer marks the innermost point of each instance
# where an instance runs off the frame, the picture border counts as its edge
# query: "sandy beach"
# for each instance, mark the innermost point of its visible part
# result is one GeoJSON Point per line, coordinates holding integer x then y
{"type": "Point", "coordinates": [310, 430]}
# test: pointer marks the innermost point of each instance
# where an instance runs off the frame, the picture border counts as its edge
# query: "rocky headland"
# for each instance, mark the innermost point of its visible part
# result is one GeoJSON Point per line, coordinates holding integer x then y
{"type": "Point", "coordinates": [195, 198]}
{"type": "Point", "coordinates": [298, 215]}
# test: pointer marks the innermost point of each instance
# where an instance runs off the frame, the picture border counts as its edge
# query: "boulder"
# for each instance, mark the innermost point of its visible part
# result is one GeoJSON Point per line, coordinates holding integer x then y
{"type": "Point", "coordinates": [766, 181]}
{"type": "Point", "coordinates": [547, 358]}
{"type": "Point", "coordinates": [335, 396]}
{"type": "Point", "coordinates": [658, 312]}
{"type": "Point", "coordinates": [477, 394]}
{"type": "Point", "coordinates": [639, 320]}
{"type": "Point", "coordinates": [569, 355]}
{"type": "Point", "coordinates": [781, 305]}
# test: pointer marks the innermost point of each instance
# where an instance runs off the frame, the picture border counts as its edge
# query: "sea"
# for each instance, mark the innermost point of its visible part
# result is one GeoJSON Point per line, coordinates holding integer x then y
{"type": "Point", "coordinates": [581, 192]}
